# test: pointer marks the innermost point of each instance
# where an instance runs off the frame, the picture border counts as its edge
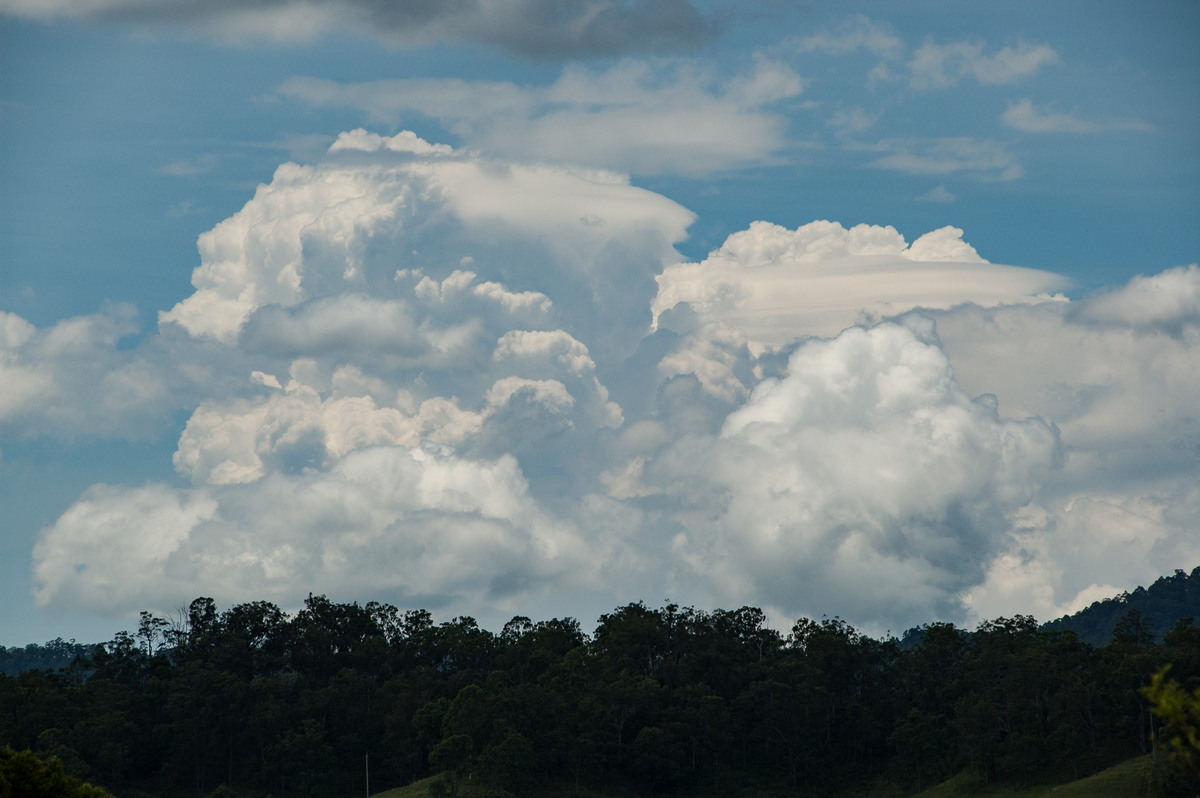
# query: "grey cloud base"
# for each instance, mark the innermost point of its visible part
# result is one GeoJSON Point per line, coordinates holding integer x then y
{"type": "Point", "coordinates": [483, 386]}
{"type": "Point", "coordinates": [550, 29]}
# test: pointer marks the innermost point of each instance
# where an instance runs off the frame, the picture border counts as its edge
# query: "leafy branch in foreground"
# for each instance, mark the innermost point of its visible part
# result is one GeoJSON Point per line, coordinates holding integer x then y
{"type": "Point", "coordinates": [1180, 711]}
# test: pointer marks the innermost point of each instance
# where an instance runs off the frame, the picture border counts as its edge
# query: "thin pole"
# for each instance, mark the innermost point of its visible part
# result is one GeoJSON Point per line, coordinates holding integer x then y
{"type": "Point", "coordinates": [367, 762]}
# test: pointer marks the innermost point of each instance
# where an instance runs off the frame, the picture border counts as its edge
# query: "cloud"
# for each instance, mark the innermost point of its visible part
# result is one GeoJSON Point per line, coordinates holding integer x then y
{"type": "Point", "coordinates": [441, 378]}
{"type": "Point", "coordinates": [776, 284]}
{"type": "Point", "coordinates": [1116, 374]}
{"type": "Point", "coordinates": [199, 166]}
{"type": "Point", "coordinates": [1024, 116]}
{"type": "Point", "coordinates": [395, 217]}
{"type": "Point", "coordinates": [412, 525]}
{"type": "Point", "coordinates": [852, 120]}
{"type": "Point", "coordinates": [71, 379]}
{"type": "Point", "coordinates": [529, 28]}
{"type": "Point", "coordinates": [935, 66]}
{"type": "Point", "coordinates": [938, 193]}
{"type": "Point", "coordinates": [633, 117]}
{"type": "Point", "coordinates": [983, 158]}
{"type": "Point", "coordinates": [864, 479]}
{"type": "Point", "coordinates": [1169, 301]}
{"type": "Point", "coordinates": [855, 33]}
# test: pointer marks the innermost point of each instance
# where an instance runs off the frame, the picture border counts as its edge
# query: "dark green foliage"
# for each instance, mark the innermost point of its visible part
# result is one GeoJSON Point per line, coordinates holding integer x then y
{"type": "Point", "coordinates": [57, 653]}
{"type": "Point", "coordinates": [254, 702]}
{"type": "Point", "coordinates": [23, 775]}
{"type": "Point", "coordinates": [1159, 606]}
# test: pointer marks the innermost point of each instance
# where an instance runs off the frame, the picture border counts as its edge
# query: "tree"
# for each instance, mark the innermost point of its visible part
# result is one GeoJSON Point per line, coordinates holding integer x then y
{"type": "Point", "coordinates": [509, 763]}
{"type": "Point", "coordinates": [1180, 711]}
{"type": "Point", "coordinates": [152, 631]}
{"type": "Point", "coordinates": [23, 775]}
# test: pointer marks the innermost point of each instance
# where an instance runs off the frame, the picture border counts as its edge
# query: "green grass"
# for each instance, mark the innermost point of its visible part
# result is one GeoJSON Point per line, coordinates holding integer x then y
{"type": "Point", "coordinates": [420, 789]}
{"type": "Point", "coordinates": [1129, 779]}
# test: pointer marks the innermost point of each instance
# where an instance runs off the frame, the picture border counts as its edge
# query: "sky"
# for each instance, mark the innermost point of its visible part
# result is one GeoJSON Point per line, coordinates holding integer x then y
{"type": "Point", "coordinates": [540, 307]}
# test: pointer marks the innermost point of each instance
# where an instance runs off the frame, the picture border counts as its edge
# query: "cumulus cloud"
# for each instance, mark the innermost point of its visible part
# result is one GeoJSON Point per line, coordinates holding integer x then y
{"type": "Point", "coordinates": [936, 66]}
{"type": "Point", "coordinates": [71, 379]}
{"type": "Point", "coordinates": [1169, 301]}
{"type": "Point", "coordinates": [529, 28]}
{"type": "Point", "coordinates": [633, 117]}
{"type": "Point", "coordinates": [308, 262]}
{"type": "Point", "coordinates": [412, 525]}
{"type": "Point", "coordinates": [1116, 373]}
{"type": "Point", "coordinates": [867, 464]}
{"type": "Point", "coordinates": [776, 284]}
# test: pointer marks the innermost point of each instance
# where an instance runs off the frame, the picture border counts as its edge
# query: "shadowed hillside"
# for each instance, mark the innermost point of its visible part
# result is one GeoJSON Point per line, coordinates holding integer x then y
{"type": "Point", "coordinates": [1156, 608]}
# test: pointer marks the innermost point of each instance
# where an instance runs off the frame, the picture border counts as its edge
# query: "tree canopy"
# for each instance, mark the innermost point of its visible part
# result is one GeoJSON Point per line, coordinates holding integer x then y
{"type": "Point", "coordinates": [251, 701]}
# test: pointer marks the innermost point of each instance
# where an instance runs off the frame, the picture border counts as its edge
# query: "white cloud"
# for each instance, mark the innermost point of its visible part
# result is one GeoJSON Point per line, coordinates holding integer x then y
{"type": "Point", "coordinates": [852, 120]}
{"type": "Point", "coordinates": [530, 28]}
{"type": "Point", "coordinates": [422, 528]}
{"type": "Point", "coordinates": [938, 193]}
{"type": "Point", "coordinates": [396, 218]}
{"type": "Point", "coordinates": [1025, 116]}
{"type": "Point", "coordinates": [1168, 301]}
{"type": "Point", "coordinates": [199, 166]}
{"type": "Point", "coordinates": [855, 33]}
{"type": "Point", "coordinates": [303, 428]}
{"type": "Point", "coordinates": [983, 158]}
{"type": "Point", "coordinates": [864, 480]}
{"type": "Point", "coordinates": [1116, 374]}
{"type": "Point", "coordinates": [634, 117]}
{"type": "Point", "coordinates": [71, 379]}
{"type": "Point", "coordinates": [423, 375]}
{"type": "Point", "coordinates": [940, 65]}
{"type": "Point", "coordinates": [776, 284]}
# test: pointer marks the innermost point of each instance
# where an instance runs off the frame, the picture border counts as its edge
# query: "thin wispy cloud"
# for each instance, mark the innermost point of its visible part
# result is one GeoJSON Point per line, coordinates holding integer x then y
{"type": "Point", "coordinates": [855, 33]}
{"type": "Point", "coordinates": [937, 66]}
{"type": "Point", "coordinates": [981, 158]}
{"type": "Point", "coordinates": [635, 117]}
{"type": "Point", "coordinates": [1026, 117]}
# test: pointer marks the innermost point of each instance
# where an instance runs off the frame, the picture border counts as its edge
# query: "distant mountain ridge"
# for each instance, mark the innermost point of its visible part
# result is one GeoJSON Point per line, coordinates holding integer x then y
{"type": "Point", "coordinates": [1161, 605]}
{"type": "Point", "coordinates": [55, 654]}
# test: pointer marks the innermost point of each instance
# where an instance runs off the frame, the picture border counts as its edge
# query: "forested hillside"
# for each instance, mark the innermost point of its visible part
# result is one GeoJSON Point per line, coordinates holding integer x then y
{"type": "Point", "coordinates": [55, 654]}
{"type": "Point", "coordinates": [1160, 605]}
{"type": "Point", "coordinates": [250, 701]}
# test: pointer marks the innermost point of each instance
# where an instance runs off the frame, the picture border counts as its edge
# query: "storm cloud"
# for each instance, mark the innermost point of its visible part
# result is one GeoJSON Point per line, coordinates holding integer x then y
{"type": "Point", "coordinates": [455, 381]}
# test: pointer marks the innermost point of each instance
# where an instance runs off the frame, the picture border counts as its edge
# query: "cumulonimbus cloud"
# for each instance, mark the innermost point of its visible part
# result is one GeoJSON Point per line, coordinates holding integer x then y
{"type": "Point", "coordinates": [429, 376]}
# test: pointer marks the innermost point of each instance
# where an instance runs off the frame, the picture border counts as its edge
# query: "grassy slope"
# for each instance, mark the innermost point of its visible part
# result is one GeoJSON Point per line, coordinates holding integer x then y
{"type": "Point", "coordinates": [1127, 780]}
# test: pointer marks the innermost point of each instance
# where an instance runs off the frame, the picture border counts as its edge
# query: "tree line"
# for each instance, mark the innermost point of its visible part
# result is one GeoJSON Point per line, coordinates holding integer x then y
{"type": "Point", "coordinates": [253, 701]}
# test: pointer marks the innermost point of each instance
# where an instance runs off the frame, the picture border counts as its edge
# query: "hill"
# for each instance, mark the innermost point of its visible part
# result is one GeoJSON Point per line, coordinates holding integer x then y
{"type": "Point", "coordinates": [55, 654]}
{"type": "Point", "coordinates": [1159, 607]}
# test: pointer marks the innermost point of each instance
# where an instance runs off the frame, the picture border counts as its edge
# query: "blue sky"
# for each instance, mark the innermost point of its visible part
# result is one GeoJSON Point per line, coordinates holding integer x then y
{"type": "Point", "coordinates": [655, 300]}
